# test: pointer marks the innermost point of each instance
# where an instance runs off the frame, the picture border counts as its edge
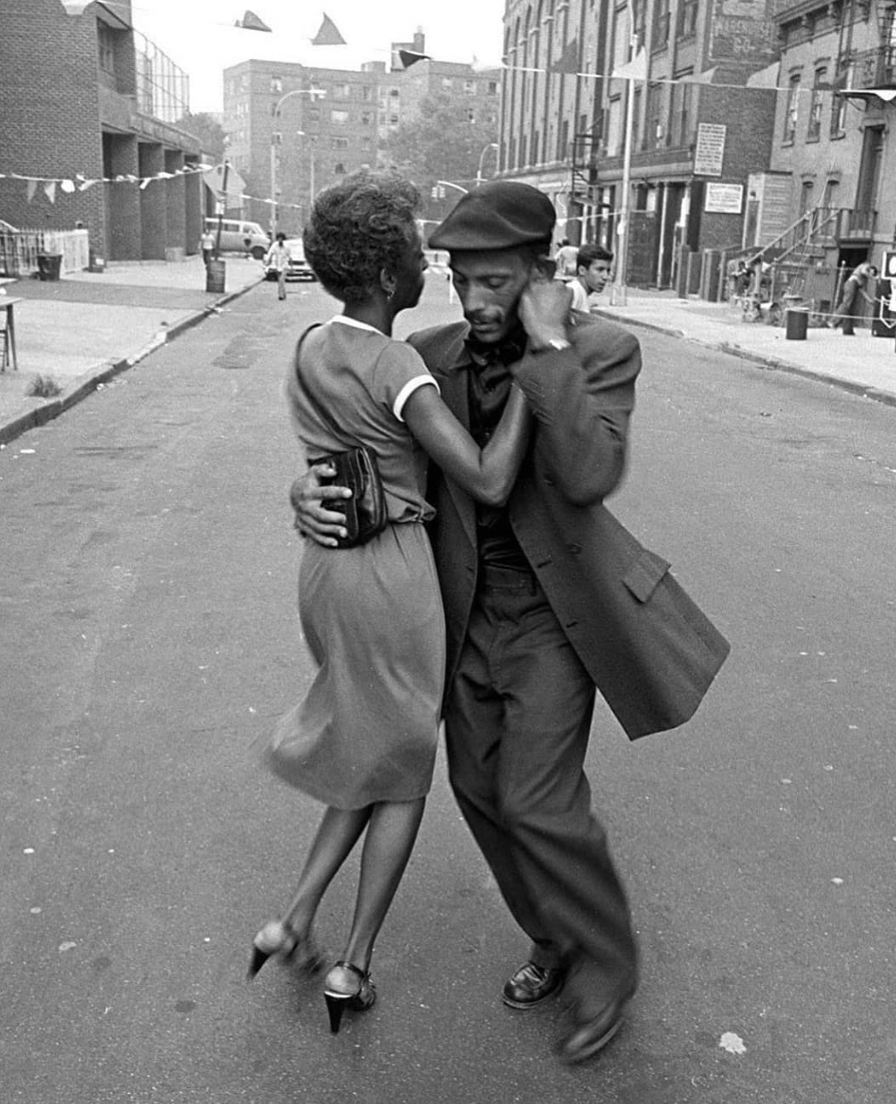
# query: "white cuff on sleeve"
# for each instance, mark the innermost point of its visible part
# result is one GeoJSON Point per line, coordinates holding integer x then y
{"type": "Point", "coordinates": [409, 388]}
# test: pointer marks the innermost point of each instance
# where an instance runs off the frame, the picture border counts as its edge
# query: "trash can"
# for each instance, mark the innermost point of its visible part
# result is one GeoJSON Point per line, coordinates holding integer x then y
{"type": "Point", "coordinates": [48, 265]}
{"type": "Point", "coordinates": [797, 323]}
{"type": "Point", "coordinates": [215, 273]}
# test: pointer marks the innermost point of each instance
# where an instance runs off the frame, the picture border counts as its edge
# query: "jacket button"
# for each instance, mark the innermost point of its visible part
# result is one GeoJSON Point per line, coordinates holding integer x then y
{"type": "Point", "coordinates": [549, 481]}
{"type": "Point", "coordinates": [574, 548]}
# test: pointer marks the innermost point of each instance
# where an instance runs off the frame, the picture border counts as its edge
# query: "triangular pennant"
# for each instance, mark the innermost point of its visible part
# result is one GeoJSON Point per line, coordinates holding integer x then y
{"type": "Point", "coordinates": [50, 190]}
{"type": "Point", "coordinates": [68, 186]}
{"type": "Point", "coordinates": [328, 34]}
{"type": "Point", "coordinates": [251, 22]}
{"type": "Point", "coordinates": [31, 188]}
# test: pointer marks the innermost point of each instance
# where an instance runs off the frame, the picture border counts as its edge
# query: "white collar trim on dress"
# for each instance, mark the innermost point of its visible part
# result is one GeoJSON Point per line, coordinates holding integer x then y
{"type": "Point", "coordinates": [354, 322]}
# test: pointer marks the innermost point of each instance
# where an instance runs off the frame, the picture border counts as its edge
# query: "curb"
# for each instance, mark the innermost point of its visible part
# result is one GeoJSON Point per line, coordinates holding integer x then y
{"type": "Point", "coordinates": [772, 364]}
{"type": "Point", "coordinates": [106, 370]}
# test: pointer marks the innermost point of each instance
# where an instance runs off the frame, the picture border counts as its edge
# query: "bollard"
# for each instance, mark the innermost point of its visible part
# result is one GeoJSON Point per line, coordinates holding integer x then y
{"type": "Point", "coordinates": [797, 324]}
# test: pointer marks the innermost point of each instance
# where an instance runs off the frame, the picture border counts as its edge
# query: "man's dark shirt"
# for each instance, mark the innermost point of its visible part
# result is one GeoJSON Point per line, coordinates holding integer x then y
{"type": "Point", "coordinates": [489, 387]}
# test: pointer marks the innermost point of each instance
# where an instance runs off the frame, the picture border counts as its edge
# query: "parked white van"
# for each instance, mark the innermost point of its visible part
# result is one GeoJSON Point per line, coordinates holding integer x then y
{"type": "Point", "coordinates": [238, 236]}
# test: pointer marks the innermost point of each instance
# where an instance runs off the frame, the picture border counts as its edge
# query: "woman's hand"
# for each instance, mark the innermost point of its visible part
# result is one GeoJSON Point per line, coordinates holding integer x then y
{"type": "Point", "coordinates": [308, 497]}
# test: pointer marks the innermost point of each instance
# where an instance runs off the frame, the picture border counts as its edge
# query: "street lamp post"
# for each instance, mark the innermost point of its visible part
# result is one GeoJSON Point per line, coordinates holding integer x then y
{"type": "Point", "coordinates": [312, 92]}
{"type": "Point", "coordinates": [485, 149]}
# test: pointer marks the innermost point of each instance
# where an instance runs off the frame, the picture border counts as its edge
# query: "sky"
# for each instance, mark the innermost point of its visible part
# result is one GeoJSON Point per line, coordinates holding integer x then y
{"type": "Point", "coordinates": [199, 36]}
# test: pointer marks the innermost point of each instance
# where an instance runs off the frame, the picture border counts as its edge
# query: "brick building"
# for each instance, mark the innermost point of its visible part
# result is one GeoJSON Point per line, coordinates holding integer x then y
{"type": "Point", "coordinates": [84, 97]}
{"type": "Point", "coordinates": [833, 159]}
{"type": "Point", "coordinates": [696, 131]}
{"type": "Point", "coordinates": [294, 129]}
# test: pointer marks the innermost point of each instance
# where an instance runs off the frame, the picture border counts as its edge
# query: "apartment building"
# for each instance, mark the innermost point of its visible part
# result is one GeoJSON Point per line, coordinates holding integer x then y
{"type": "Point", "coordinates": [294, 129]}
{"type": "Point", "coordinates": [833, 158]}
{"type": "Point", "coordinates": [89, 104]}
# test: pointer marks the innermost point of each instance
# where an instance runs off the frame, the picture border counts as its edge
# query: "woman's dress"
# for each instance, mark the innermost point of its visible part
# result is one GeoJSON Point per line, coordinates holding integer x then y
{"type": "Point", "coordinates": [372, 617]}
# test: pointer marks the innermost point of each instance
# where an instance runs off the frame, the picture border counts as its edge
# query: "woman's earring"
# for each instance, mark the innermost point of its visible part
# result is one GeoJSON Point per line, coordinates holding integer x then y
{"type": "Point", "coordinates": [389, 293]}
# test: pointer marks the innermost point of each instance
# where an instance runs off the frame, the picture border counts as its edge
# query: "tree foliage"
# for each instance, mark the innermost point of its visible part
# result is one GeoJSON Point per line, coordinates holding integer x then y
{"type": "Point", "coordinates": [208, 130]}
{"type": "Point", "coordinates": [441, 143]}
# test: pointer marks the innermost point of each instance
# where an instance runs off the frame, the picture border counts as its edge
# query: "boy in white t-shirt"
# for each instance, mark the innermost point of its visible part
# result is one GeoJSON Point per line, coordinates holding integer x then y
{"type": "Point", "coordinates": [593, 264]}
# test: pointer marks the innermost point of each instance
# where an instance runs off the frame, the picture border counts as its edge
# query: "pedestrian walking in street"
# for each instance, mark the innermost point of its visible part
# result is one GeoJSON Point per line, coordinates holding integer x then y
{"type": "Point", "coordinates": [277, 259]}
{"type": "Point", "coordinates": [845, 316]}
{"type": "Point", "coordinates": [593, 264]}
{"type": "Point", "coordinates": [363, 739]}
{"type": "Point", "coordinates": [545, 599]}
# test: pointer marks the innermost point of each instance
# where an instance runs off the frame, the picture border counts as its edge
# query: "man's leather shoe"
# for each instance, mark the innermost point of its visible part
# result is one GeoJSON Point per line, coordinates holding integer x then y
{"type": "Point", "coordinates": [590, 1036]}
{"type": "Point", "coordinates": [532, 984]}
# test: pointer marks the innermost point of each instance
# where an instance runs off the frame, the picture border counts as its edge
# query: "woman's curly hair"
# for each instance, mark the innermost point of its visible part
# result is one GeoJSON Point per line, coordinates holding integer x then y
{"type": "Point", "coordinates": [358, 228]}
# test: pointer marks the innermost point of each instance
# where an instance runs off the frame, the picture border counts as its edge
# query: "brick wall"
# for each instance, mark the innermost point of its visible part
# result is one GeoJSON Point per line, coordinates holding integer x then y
{"type": "Point", "coordinates": [49, 112]}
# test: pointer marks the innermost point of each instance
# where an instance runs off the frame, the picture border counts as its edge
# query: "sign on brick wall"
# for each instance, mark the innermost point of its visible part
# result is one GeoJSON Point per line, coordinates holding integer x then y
{"type": "Point", "coordinates": [724, 199]}
{"type": "Point", "coordinates": [743, 29]}
{"type": "Point", "coordinates": [710, 149]}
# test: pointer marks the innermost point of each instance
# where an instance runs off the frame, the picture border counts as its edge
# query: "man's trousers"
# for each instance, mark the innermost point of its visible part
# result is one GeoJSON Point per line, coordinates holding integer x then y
{"type": "Point", "coordinates": [517, 720]}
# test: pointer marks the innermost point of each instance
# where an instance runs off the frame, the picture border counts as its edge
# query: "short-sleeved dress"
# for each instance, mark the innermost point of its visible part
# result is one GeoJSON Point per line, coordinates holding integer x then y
{"type": "Point", "coordinates": [367, 729]}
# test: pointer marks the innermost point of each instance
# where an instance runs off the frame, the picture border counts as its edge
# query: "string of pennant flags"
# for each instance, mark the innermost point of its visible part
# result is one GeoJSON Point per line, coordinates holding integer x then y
{"type": "Point", "coordinates": [50, 185]}
{"type": "Point", "coordinates": [68, 185]}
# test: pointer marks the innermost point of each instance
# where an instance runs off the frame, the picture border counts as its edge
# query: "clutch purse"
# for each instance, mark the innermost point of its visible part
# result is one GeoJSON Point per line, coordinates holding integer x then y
{"type": "Point", "coordinates": [365, 511]}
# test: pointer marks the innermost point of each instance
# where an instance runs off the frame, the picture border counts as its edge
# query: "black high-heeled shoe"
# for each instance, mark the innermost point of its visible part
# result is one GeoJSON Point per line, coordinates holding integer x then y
{"type": "Point", "coordinates": [342, 992]}
{"type": "Point", "coordinates": [277, 937]}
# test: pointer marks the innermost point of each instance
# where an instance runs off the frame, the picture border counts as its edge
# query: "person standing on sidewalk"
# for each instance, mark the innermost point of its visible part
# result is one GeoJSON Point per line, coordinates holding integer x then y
{"type": "Point", "coordinates": [845, 316]}
{"type": "Point", "coordinates": [593, 265]}
{"type": "Point", "coordinates": [277, 259]}
{"type": "Point", "coordinates": [545, 599]}
{"type": "Point", "coordinates": [207, 245]}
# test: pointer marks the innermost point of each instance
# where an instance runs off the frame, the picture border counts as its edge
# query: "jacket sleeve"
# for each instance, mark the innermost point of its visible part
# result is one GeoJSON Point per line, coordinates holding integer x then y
{"type": "Point", "coordinates": [582, 398]}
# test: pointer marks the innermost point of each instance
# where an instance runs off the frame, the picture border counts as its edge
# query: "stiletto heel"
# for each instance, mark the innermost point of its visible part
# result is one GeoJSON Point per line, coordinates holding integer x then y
{"type": "Point", "coordinates": [276, 937]}
{"type": "Point", "coordinates": [335, 1008]}
{"type": "Point", "coordinates": [342, 992]}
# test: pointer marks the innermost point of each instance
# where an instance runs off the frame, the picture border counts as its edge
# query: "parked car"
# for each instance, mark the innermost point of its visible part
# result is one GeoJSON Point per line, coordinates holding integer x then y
{"type": "Point", "coordinates": [239, 236]}
{"type": "Point", "coordinates": [298, 269]}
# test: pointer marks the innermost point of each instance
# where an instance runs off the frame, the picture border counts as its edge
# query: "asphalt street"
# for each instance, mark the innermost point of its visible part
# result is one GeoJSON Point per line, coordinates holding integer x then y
{"type": "Point", "coordinates": [149, 639]}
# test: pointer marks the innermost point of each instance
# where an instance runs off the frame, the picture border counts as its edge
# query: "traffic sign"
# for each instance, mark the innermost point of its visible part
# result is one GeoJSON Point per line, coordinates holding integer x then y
{"type": "Point", "coordinates": [888, 268]}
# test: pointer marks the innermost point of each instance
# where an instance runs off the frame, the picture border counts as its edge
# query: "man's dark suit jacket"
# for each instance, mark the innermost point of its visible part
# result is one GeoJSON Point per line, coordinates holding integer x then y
{"type": "Point", "coordinates": [651, 651]}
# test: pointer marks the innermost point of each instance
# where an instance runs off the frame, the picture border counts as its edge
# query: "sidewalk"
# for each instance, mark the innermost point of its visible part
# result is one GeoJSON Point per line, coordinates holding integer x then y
{"type": "Point", "coordinates": [862, 364]}
{"type": "Point", "coordinates": [87, 327]}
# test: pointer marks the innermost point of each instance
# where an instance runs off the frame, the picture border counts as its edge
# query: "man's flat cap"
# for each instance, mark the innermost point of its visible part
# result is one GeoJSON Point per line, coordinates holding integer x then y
{"type": "Point", "coordinates": [499, 215]}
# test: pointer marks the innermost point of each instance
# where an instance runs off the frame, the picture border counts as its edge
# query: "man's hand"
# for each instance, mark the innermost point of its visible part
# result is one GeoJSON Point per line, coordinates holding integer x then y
{"type": "Point", "coordinates": [544, 310]}
{"type": "Point", "coordinates": [308, 496]}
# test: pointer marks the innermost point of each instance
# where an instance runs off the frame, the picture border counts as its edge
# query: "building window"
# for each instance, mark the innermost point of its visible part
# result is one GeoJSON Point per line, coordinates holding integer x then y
{"type": "Point", "coordinates": [492, 88]}
{"type": "Point", "coordinates": [654, 116]}
{"type": "Point", "coordinates": [338, 118]}
{"type": "Point", "coordinates": [106, 42]}
{"type": "Point", "coordinates": [366, 93]}
{"type": "Point", "coordinates": [339, 143]}
{"type": "Point", "coordinates": [840, 104]}
{"type": "Point", "coordinates": [660, 24]}
{"type": "Point", "coordinates": [342, 91]}
{"type": "Point", "coordinates": [687, 19]}
{"type": "Point", "coordinates": [815, 107]}
{"type": "Point", "coordinates": [792, 112]}
{"type": "Point", "coordinates": [680, 115]}
{"type": "Point", "coordinates": [469, 86]}
{"type": "Point", "coordinates": [447, 83]}
{"type": "Point", "coordinates": [366, 118]}
{"type": "Point", "coordinates": [276, 84]}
